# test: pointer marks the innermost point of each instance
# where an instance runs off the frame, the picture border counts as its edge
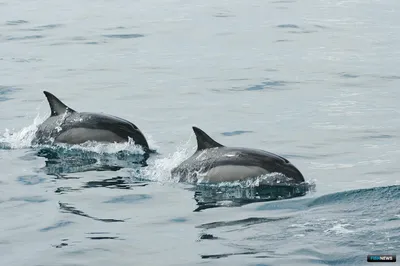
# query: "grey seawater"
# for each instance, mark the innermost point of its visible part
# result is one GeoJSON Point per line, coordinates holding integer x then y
{"type": "Point", "coordinates": [314, 81]}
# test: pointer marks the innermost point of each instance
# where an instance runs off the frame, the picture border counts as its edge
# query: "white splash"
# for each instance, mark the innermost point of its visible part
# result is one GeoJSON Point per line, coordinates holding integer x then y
{"type": "Point", "coordinates": [59, 122]}
{"type": "Point", "coordinates": [152, 143]}
{"type": "Point", "coordinates": [22, 138]}
{"type": "Point", "coordinates": [159, 169]}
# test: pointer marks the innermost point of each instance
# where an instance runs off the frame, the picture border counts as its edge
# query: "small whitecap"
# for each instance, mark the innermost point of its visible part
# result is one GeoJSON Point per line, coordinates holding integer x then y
{"type": "Point", "coordinates": [339, 229]}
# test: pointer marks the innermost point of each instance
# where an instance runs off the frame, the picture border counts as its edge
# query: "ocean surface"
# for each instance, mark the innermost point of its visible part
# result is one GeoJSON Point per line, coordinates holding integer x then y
{"type": "Point", "coordinates": [317, 82]}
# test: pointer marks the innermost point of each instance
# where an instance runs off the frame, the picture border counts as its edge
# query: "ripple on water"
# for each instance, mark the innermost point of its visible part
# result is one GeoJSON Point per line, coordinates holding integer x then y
{"type": "Point", "coordinates": [224, 255]}
{"type": "Point", "coordinates": [64, 190]}
{"type": "Point", "coordinates": [102, 236]}
{"type": "Point", "coordinates": [116, 28]}
{"type": "Point", "coordinates": [283, 1]}
{"type": "Point", "coordinates": [301, 31]}
{"type": "Point", "coordinates": [28, 37]}
{"type": "Point", "coordinates": [118, 182]}
{"type": "Point", "coordinates": [320, 26]}
{"type": "Point", "coordinates": [27, 60]}
{"type": "Point", "coordinates": [242, 222]}
{"type": "Point", "coordinates": [16, 22]}
{"type": "Point", "coordinates": [266, 85]}
{"type": "Point", "coordinates": [378, 136]}
{"type": "Point", "coordinates": [31, 199]}
{"type": "Point", "coordinates": [66, 208]}
{"type": "Point", "coordinates": [44, 27]}
{"type": "Point", "coordinates": [236, 132]}
{"type": "Point", "coordinates": [123, 36]}
{"type": "Point", "coordinates": [223, 15]}
{"type": "Point", "coordinates": [348, 75]}
{"type": "Point", "coordinates": [285, 26]}
{"type": "Point", "coordinates": [392, 77]}
{"type": "Point", "coordinates": [30, 179]}
{"type": "Point", "coordinates": [78, 40]}
{"type": "Point", "coordinates": [57, 225]}
{"type": "Point", "coordinates": [178, 220]}
{"type": "Point", "coordinates": [292, 28]}
{"type": "Point", "coordinates": [134, 198]}
{"type": "Point", "coordinates": [5, 91]}
{"type": "Point", "coordinates": [381, 173]}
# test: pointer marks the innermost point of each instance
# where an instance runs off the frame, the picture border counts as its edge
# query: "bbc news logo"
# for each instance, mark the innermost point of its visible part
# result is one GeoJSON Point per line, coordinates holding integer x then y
{"type": "Point", "coordinates": [381, 258]}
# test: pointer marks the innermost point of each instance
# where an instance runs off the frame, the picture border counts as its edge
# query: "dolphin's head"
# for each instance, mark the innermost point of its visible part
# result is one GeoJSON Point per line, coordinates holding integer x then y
{"type": "Point", "coordinates": [295, 174]}
{"type": "Point", "coordinates": [289, 170]}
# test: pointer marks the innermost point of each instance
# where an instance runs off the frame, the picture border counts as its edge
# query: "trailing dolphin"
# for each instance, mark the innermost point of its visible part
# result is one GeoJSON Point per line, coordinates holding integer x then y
{"type": "Point", "coordinates": [66, 125]}
{"type": "Point", "coordinates": [216, 163]}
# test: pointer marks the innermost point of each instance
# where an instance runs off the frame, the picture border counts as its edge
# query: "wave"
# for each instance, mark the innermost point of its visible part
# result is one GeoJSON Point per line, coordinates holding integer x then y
{"type": "Point", "coordinates": [376, 198]}
{"type": "Point", "coordinates": [369, 196]}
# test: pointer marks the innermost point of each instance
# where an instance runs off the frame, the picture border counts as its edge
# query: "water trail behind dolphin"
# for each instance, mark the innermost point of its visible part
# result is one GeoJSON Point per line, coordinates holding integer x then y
{"type": "Point", "coordinates": [20, 139]}
{"type": "Point", "coordinates": [159, 168]}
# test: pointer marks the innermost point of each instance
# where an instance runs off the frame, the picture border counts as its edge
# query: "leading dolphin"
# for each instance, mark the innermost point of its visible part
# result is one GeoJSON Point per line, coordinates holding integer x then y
{"type": "Point", "coordinates": [66, 125]}
{"type": "Point", "coordinates": [217, 163]}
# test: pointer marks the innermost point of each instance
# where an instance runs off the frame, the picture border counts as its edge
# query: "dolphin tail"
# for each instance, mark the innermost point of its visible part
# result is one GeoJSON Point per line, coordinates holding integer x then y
{"type": "Point", "coordinates": [204, 141]}
{"type": "Point", "coordinates": [57, 107]}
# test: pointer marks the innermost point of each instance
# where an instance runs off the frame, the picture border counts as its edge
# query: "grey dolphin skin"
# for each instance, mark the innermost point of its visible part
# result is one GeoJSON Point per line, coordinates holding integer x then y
{"type": "Point", "coordinates": [218, 163]}
{"type": "Point", "coordinates": [66, 125]}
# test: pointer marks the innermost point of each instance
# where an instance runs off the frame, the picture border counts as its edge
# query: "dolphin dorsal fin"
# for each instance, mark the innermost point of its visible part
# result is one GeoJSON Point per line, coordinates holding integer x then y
{"type": "Point", "coordinates": [57, 107]}
{"type": "Point", "coordinates": [204, 141]}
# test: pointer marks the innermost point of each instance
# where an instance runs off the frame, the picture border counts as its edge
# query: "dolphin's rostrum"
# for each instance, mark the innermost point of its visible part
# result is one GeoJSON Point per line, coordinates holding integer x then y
{"type": "Point", "coordinates": [218, 163]}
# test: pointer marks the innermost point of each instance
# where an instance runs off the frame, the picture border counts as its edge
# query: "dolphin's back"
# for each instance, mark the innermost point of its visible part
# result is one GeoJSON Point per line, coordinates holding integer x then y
{"type": "Point", "coordinates": [119, 126]}
{"type": "Point", "coordinates": [255, 156]}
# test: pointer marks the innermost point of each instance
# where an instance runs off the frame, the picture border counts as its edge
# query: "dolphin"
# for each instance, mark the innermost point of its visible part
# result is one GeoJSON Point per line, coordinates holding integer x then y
{"type": "Point", "coordinates": [66, 125]}
{"type": "Point", "coordinates": [215, 162]}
